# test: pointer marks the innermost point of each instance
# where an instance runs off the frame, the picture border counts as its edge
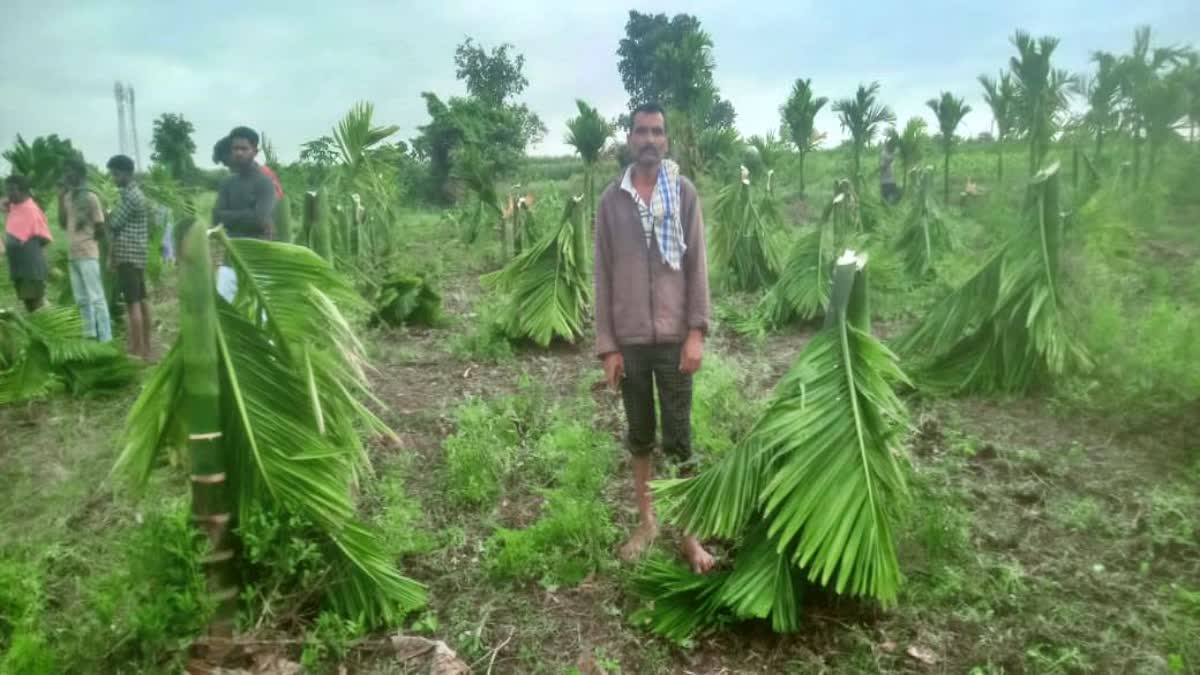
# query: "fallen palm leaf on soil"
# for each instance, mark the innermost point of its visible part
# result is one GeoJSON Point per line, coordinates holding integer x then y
{"type": "Point", "coordinates": [270, 395]}
{"type": "Point", "coordinates": [547, 285]}
{"type": "Point", "coordinates": [810, 495]}
{"type": "Point", "coordinates": [1004, 329]}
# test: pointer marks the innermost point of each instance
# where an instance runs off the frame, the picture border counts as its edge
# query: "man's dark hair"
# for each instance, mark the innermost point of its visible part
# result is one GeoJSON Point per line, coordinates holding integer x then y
{"type": "Point", "coordinates": [18, 181]}
{"type": "Point", "coordinates": [245, 133]}
{"type": "Point", "coordinates": [221, 150]}
{"type": "Point", "coordinates": [650, 108]}
{"type": "Point", "coordinates": [75, 164]}
{"type": "Point", "coordinates": [120, 163]}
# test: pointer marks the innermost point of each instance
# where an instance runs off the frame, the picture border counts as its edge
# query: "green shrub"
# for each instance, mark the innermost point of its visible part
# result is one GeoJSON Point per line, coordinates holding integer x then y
{"type": "Point", "coordinates": [721, 412]}
{"type": "Point", "coordinates": [479, 454]}
{"type": "Point", "coordinates": [575, 531]}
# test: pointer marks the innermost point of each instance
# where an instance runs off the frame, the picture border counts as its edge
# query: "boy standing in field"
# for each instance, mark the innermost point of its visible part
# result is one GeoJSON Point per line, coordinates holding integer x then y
{"type": "Point", "coordinates": [245, 202]}
{"type": "Point", "coordinates": [652, 310]}
{"type": "Point", "coordinates": [888, 188]}
{"type": "Point", "coordinates": [128, 224]}
{"type": "Point", "coordinates": [80, 213]}
{"type": "Point", "coordinates": [25, 235]}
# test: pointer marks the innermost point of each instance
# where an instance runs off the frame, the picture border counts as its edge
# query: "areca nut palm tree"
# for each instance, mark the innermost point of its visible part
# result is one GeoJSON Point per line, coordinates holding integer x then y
{"type": "Point", "coordinates": [588, 133]}
{"type": "Point", "coordinates": [861, 116]}
{"type": "Point", "coordinates": [1000, 94]}
{"type": "Point", "coordinates": [1042, 92]}
{"type": "Point", "coordinates": [798, 113]}
{"type": "Point", "coordinates": [950, 112]}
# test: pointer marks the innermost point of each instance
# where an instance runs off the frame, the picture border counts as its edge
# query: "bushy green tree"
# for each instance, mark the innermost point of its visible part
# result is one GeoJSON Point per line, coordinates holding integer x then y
{"type": "Point", "coordinates": [173, 145]}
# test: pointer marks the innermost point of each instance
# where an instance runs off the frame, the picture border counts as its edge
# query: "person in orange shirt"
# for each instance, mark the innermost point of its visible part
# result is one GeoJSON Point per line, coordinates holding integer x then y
{"type": "Point", "coordinates": [25, 235]}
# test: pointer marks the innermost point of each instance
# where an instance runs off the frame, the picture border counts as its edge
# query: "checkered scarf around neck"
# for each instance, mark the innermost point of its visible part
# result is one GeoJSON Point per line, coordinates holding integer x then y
{"type": "Point", "coordinates": [664, 205]}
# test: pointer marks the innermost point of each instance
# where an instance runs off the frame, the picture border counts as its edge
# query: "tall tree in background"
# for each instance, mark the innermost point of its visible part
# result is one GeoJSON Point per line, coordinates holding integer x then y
{"type": "Point", "coordinates": [798, 114]}
{"type": "Point", "coordinates": [648, 76]}
{"type": "Point", "coordinates": [1001, 96]}
{"type": "Point", "coordinates": [494, 77]}
{"type": "Point", "coordinates": [1102, 92]}
{"type": "Point", "coordinates": [950, 112]}
{"type": "Point", "coordinates": [1041, 92]}
{"type": "Point", "coordinates": [173, 145]}
{"type": "Point", "coordinates": [1141, 71]}
{"type": "Point", "coordinates": [669, 61]}
{"type": "Point", "coordinates": [587, 133]}
{"type": "Point", "coordinates": [486, 119]}
{"type": "Point", "coordinates": [861, 116]}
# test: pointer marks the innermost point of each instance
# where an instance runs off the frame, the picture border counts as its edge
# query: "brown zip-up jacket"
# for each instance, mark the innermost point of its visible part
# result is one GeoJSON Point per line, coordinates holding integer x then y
{"type": "Point", "coordinates": [640, 300]}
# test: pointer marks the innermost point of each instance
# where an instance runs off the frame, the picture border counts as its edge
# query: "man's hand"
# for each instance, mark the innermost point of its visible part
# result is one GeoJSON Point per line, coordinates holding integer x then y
{"type": "Point", "coordinates": [614, 368]}
{"type": "Point", "coordinates": [692, 352]}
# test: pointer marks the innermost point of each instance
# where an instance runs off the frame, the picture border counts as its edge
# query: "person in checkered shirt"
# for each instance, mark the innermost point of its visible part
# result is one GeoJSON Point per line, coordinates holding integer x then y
{"type": "Point", "coordinates": [128, 225]}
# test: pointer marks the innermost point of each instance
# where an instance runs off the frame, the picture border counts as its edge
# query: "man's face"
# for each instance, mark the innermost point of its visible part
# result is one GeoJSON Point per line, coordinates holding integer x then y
{"type": "Point", "coordinates": [121, 178]}
{"type": "Point", "coordinates": [648, 139]}
{"type": "Point", "coordinates": [72, 177]}
{"type": "Point", "coordinates": [242, 152]}
{"type": "Point", "coordinates": [15, 194]}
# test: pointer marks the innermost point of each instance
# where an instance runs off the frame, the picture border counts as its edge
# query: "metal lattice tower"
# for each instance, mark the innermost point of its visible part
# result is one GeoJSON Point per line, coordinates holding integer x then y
{"type": "Point", "coordinates": [137, 148]}
{"type": "Point", "coordinates": [122, 130]}
{"type": "Point", "coordinates": [127, 136]}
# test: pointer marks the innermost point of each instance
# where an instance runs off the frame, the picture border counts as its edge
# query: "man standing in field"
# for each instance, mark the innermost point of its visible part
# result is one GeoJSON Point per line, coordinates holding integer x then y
{"type": "Point", "coordinates": [25, 235]}
{"type": "Point", "coordinates": [80, 213]}
{"type": "Point", "coordinates": [887, 177]}
{"type": "Point", "coordinates": [128, 225]}
{"type": "Point", "coordinates": [652, 310]}
{"type": "Point", "coordinates": [245, 201]}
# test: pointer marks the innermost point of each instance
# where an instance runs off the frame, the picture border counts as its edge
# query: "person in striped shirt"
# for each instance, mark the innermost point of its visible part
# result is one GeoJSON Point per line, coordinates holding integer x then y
{"type": "Point", "coordinates": [128, 225]}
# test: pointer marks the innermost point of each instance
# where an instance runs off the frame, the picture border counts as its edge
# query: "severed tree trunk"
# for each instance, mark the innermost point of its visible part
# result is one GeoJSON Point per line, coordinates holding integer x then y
{"type": "Point", "coordinates": [201, 399]}
{"type": "Point", "coordinates": [283, 221]}
{"type": "Point", "coordinates": [316, 223]}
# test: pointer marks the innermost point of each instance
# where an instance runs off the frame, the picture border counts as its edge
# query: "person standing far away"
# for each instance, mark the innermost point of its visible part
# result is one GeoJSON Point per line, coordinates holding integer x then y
{"type": "Point", "coordinates": [25, 235]}
{"type": "Point", "coordinates": [80, 213]}
{"type": "Point", "coordinates": [245, 201]}
{"type": "Point", "coordinates": [221, 155]}
{"type": "Point", "coordinates": [128, 225]}
{"type": "Point", "coordinates": [887, 178]}
{"type": "Point", "coordinates": [652, 311]}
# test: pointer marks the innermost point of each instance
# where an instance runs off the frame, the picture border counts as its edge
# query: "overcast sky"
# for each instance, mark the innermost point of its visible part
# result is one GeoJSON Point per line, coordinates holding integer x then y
{"type": "Point", "coordinates": [293, 72]}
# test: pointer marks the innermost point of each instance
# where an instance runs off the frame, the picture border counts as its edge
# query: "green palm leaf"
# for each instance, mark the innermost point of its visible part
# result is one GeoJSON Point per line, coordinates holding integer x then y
{"type": "Point", "coordinates": [293, 394]}
{"type": "Point", "coordinates": [812, 490]}
{"type": "Point", "coordinates": [743, 240]}
{"type": "Point", "coordinates": [1003, 330]}
{"type": "Point", "coordinates": [44, 352]}
{"type": "Point", "coordinates": [547, 284]}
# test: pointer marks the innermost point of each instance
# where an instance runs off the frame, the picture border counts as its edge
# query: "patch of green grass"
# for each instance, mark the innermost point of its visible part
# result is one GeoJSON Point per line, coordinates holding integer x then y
{"type": "Point", "coordinates": [574, 532]}
{"type": "Point", "coordinates": [479, 455]}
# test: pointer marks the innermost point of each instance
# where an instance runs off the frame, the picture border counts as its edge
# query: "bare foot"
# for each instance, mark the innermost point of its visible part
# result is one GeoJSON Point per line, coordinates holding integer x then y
{"type": "Point", "coordinates": [700, 560]}
{"type": "Point", "coordinates": [639, 541]}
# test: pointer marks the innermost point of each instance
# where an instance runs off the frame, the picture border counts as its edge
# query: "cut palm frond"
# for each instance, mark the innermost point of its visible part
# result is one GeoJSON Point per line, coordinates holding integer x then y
{"type": "Point", "coordinates": [743, 239]}
{"type": "Point", "coordinates": [1003, 330]}
{"type": "Point", "coordinates": [924, 235]}
{"type": "Point", "coordinates": [45, 352]}
{"type": "Point", "coordinates": [407, 299]}
{"type": "Point", "coordinates": [802, 291]}
{"type": "Point", "coordinates": [292, 398]}
{"type": "Point", "coordinates": [547, 285]}
{"type": "Point", "coordinates": [812, 491]}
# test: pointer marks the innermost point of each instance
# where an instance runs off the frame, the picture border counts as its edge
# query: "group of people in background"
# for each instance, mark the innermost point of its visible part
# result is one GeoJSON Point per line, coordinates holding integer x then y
{"type": "Point", "coordinates": [245, 206]}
